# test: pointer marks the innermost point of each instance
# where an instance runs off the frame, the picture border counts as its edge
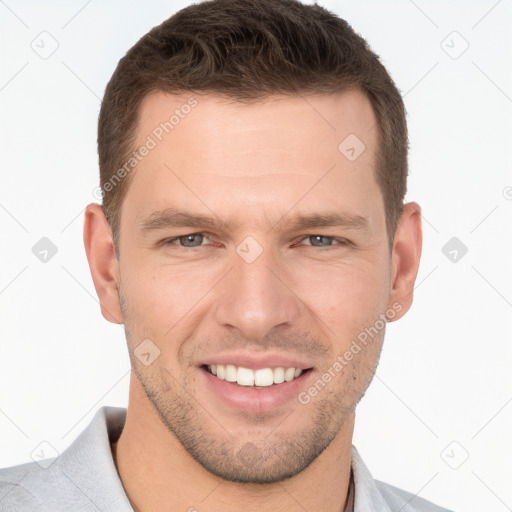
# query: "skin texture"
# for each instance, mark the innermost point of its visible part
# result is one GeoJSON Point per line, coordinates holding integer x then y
{"type": "Point", "coordinates": [256, 166]}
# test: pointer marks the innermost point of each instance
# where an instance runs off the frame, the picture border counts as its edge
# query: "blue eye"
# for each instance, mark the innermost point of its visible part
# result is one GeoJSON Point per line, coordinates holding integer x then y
{"type": "Point", "coordinates": [196, 240]}
{"type": "Point", "coordinates": [317, 240]}
{"type": "Point", "coordinates": [192, 240]}
{"type": "Point", "coordinates": [325, 242]}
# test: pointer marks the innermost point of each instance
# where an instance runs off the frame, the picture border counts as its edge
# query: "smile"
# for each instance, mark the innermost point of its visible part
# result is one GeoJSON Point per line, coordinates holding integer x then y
{"type": "Point", "coordinates": [255, 383]}
{"type": "Point", "coordinates": [262, 377]}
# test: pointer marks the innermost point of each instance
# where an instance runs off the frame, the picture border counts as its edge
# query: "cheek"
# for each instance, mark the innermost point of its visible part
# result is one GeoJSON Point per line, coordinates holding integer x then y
{"type": "Point", "coordinates": [343, 288]}
{"type": "Point", "coordinates": [162, 296]}
{"type": "Point", "coordinates": [346, 297]}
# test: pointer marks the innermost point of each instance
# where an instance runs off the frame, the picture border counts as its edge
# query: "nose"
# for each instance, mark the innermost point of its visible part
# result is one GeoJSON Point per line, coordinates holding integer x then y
{"type": "Point", "coordinates": [257, 297]}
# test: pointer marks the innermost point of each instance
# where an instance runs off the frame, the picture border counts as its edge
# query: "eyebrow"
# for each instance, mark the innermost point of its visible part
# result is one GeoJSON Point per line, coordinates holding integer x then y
{"type": "Point", "coordinates": [173, 218]}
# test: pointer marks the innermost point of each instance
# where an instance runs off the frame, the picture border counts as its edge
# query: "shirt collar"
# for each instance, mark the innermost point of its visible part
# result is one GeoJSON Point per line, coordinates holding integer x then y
{"type": "Point", "coordinates": [89, 464]}
{"type": "Point", "coordinates": [366, 493]}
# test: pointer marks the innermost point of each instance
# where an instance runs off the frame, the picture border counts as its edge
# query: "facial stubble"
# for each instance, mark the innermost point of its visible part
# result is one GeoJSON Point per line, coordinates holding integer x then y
{"type": "Point", "coordinates": [265, 451]}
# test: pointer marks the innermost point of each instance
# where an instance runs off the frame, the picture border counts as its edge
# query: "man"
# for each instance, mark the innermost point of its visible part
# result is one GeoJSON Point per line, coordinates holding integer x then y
{"type": "Point", "coordinates": [253, 241]}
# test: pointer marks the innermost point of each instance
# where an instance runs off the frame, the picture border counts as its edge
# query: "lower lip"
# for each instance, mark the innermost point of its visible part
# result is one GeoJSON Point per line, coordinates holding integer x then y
{"type": "Point", "coordinates": [249, 399]}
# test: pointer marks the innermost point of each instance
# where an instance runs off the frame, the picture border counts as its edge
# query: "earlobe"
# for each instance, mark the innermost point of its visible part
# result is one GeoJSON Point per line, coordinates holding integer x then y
{"type": "Point", "coordinates": [405, 259]}
{"type": "Point", "coordinates": [103, 262]}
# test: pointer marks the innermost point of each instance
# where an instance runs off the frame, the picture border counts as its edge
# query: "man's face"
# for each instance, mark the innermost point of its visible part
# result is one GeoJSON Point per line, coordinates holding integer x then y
{"type": "Point", "coordinates": [254, 289]}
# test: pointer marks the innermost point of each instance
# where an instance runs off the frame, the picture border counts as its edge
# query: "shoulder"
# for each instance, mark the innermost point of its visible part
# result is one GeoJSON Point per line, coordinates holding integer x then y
{"type": "Point", "coordinates": [19, 486]}
{"type": "Point", "coordinates": [82, 478]}
{"type": "Point", "coordinates": [371, 494]}
{"type": "Point", "coordinates": [405, 501]}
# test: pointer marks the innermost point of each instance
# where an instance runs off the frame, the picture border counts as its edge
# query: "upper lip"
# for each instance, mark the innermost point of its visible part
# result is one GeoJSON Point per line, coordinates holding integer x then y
{"type": "Point", "coordinates": [257, 361]}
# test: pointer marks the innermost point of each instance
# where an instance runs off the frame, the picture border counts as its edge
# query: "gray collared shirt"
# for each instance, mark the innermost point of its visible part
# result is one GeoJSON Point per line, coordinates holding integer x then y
{"type": "Point", "coordinates": [84, 478]}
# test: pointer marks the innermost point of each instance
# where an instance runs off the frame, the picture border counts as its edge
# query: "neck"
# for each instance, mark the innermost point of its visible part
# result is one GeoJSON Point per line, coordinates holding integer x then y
{"type": "Point", "coordinates": [159, 474]}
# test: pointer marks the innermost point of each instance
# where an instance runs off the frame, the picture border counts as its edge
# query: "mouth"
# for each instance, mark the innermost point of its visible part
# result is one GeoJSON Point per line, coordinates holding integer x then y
{"type": "Point", "coordinates": [259, 378]}
{"type": "Point", "coordinates": [255, 383]}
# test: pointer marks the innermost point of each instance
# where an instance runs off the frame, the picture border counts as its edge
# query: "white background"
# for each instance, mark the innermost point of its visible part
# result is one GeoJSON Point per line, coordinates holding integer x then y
{"type": "Point", "coordinates": [445, 369]}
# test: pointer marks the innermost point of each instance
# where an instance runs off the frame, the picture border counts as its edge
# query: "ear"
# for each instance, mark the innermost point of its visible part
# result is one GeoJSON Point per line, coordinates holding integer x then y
{"type": "Point", "coordinates": [405, 259]}
{"type": "Point", "coordinates": [103, 263]}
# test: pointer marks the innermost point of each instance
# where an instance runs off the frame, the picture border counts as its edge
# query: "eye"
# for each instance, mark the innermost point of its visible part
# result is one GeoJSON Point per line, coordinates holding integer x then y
{"type": "Point", "coordinates": [192, 240]}
{"type": "Point", "coordinates": [323, 241]}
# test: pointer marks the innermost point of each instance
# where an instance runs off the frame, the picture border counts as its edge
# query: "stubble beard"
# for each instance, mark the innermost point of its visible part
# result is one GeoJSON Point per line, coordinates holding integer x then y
{"type": "Point", "coordinates": [261, 453]}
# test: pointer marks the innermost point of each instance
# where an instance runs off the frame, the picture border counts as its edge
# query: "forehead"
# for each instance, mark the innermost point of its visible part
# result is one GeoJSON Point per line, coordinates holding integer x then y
{"type": "Point", "coordinates": [286, 129]}
{"type": "Point", "coordinates": [268, 151]}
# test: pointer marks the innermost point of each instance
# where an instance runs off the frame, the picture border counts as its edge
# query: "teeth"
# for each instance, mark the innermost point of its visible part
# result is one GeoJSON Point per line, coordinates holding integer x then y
{"type": "Point", "coordinates": [278, 375]}
{"type": "Point", "coordinates": [245, 377]}
{"type": "Point", "coordinates": [289, 374]}
{"type": "Point", "coordinates": [263, 377]}
{"type": "Point", "coordinates": [231, 373]}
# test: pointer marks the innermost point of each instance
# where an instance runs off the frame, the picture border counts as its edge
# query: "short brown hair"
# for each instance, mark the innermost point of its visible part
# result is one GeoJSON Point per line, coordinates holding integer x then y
{"type": "Point", "coordinates": [246, 50]}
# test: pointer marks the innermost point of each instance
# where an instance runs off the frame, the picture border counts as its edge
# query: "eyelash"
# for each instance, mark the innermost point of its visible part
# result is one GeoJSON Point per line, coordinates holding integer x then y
{"type": "Point", "coordinates": [341, 241]}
